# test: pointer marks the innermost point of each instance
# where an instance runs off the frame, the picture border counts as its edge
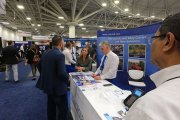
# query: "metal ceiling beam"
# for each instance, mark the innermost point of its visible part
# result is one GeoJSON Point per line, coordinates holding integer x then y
{"type": "Point", "coordinates": [42, 2]}
{"type": "Point", "coordinates": [82, 9]}
{"type": "Point", "coordinates": [52, 22]}
{"type": "Point", "coordinates": [90, 19]}
{"type": "Point", "coordinates": [97, 21]}
{"type": "Point", "coordinates": [48, 6]}
{"type": "Point", "coordinates": [47, 10]}
{"type": "Point", "coordinates": [169, 7]}
{"type": "Point", "coordinates": [165, 5]}
{"type": "Point", "coordinates": [149, 7]}
{"type": "Point", "coordinates": [95, 12]}
{"type": "Point", "coordinates": [73, 9]}
{"type": "Point", "coordinates": [40, 16]}
{"type": "Point", "coordinates": [128, 24]}
{"type": "Point", "coordinates": [18, 14]}
{"type": "Point", "coordinates": [49, 20]}
{"type": "Point", "coordinates": [112, 20]}
{"type": "Point", "coordinates": [54, 18]}
{"type": "Point", "coordinates": [121, 22]}
{"type": "Point", "coordinates": [59, 9]}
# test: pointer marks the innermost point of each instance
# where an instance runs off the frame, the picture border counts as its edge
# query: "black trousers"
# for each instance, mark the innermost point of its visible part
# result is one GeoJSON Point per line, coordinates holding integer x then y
{"type": "Point", "coordinates": [57, 106]}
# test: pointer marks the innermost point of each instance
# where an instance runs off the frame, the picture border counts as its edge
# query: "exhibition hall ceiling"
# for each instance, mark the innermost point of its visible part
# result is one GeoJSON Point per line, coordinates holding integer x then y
{"type": "Point", "coordinates": [55, 16]}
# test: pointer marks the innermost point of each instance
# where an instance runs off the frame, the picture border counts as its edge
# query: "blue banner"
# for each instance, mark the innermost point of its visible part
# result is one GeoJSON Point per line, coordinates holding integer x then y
{"type": "Point", "coordinates": [133, 46]}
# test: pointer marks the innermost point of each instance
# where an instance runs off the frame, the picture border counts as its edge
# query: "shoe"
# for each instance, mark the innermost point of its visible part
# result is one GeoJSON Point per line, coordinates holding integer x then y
{"type": "Point", "coordinates": [16, 81]}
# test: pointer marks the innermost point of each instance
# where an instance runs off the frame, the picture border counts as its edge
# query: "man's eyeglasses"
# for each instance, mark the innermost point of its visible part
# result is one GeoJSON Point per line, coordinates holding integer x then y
{"type": "Point", "coordinates": [159, 36]}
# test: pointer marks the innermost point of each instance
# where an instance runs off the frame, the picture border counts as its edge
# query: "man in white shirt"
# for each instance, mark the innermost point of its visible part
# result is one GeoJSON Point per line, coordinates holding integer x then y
{"type": "Point", "coordinates": [68, 58]}
{"type": "Point", "coordinates": [73, 50]}
{"type": "Point", "coordinates": [22, 50]}
{"type": "Point", "coordinates": [109, 64]}
{"type": "Point", "coordinates": [162, 103]}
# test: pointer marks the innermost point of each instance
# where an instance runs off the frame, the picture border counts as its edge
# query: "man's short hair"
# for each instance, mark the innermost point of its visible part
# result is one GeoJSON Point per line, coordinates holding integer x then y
{"type": "Point", "coordinates": [72, 42]}
{"type": "Point", "coordinates": [171, 24]}
{"type": "Point", "coordinates": [10, 42]}
{"type": "Point", "coordinates": [56, 40]}
{"type": "Point", "coordinates": [68, 44]}
{"type": "Point", "coordinates": [105, 43]}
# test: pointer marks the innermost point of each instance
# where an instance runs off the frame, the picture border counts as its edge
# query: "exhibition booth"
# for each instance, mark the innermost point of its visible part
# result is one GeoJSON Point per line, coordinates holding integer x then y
{"type": "Point", "coordinates": [95, 100]}
{"type": "Point", "coordinates": [133, 49]}
{"type": "Point", "coordinates": [102, 100]}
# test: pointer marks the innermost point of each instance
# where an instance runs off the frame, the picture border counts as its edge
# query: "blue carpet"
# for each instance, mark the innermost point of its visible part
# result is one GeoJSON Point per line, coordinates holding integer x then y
{"type": "Point", "coordinates": [22, 101]}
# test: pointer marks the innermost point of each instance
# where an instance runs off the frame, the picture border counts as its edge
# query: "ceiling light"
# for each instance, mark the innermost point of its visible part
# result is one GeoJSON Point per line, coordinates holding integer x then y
{"type": "Point", "coordinates": [83, 28]}
{"type": "Point", "coordinates": [116, 12]}
{"type": "Point", "coordinates": [152, 16]}
{"type": "Point", "coordinates": [116, 1]}
{"type": "Point", "coordinates": [19, 30]}
{"type": "Point", "coordinates": [39, 25]}
{"type": "Point", "coordinates": [20, 7]}
{"type": "Point", "coordinates": [101, 26]}
{"type": "Point", "coordinates": [5, 23]}
{"type": "Point", "coordinates": [87, 31]}
{"type": "Point", "coordinates": [35, 28]}
{"type": "Point", "coordinates": [104, 4]}
{"type": "Point", "coordinates": [28, 18]}
{"type": "Point", "coordinates": [145, 18]}
{"type": "Point", "coordinates": [33, 24]}
{"type": "Point", "coordinates": [138, 14]}
{"type": "Point", "coordinates": [14, 27]}
{"type": "Point", "coordinates": [126, 9]}
{"type": "Point", "coordinates": [58, 23]}
{"type": "Point", "coordinates": [60, 17]}
{"type": "Point", "coordinates": [81, 24]}
{"type": "Point", "coordinates": [61, 26]}
{"type": "Point", "coordinates": [162, 19]}
{"type": "Point", "coordinates": [129, 16]}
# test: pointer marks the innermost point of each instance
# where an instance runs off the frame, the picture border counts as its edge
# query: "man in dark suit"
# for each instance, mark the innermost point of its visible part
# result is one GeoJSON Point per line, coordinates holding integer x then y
{"type": "Point", "coordinates": [53, 80]}
{"type": "Point", "coordinates": [11, 56]}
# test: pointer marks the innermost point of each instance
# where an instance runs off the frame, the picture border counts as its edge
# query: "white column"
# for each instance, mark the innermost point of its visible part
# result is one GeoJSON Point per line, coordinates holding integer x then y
{"type": "Point", "coordinates": [71, 31]}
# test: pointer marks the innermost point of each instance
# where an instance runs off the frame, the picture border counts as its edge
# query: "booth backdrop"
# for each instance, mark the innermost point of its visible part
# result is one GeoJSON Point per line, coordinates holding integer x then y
{"type": "Point", "coordinates": [129, 43]}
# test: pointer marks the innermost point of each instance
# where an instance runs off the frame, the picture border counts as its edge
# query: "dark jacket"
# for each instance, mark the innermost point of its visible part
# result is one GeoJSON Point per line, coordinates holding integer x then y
{"type": "Point", "coordinates": [53, 76]}
{"type": "Point", "coordinates": [30, 55]}
{"type": "Point", "coordinates": [10, 55]}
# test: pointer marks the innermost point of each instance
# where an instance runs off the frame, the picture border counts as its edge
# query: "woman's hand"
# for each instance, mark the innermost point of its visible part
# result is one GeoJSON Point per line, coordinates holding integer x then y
{"type": "Point", "coordinates": [80, 69]}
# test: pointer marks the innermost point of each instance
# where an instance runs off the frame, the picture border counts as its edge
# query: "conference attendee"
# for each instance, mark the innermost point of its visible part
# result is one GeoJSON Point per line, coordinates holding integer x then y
{"type": "Point", "coordinates": [92, 51]}
{"type": "Point", "coordinates": [68, 58]}
{"type": "Point", "coordinates": [33, 57]}
{"type": "Point", "coordinates": [84, 62]}
{"type": "Point", "coordinates": [11, 57]}
{"type": "Point", "coordinates": [22, 51]}
{"type": "Point", "coordinates": [109, 64]}
{"type": "Point", "coordinates": [162, 103]}
{"type": "Point", "coordinates": [26, 49]}
{"type": "Point", "coordinates": [73, 50]}
{"type": "Point", "coordinates": [53, 80]}
{"type": "Point", "coordinates": [78, 51]}
{"type": "Point", "coordinates": [94, 46]}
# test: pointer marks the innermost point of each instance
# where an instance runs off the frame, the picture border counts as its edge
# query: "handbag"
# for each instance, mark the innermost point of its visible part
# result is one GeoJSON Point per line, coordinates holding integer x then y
{"type": "Point", "coordinates": [36, 58]}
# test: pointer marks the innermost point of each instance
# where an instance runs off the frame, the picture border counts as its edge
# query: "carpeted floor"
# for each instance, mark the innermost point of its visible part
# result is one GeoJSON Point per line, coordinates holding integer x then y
{"type": "Point", "coordinates": [21, 101]}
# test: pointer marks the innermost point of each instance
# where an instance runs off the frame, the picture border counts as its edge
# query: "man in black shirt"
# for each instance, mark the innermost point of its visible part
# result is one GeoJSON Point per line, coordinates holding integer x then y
{"type": "Point", "coordinates": [11, 56]}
